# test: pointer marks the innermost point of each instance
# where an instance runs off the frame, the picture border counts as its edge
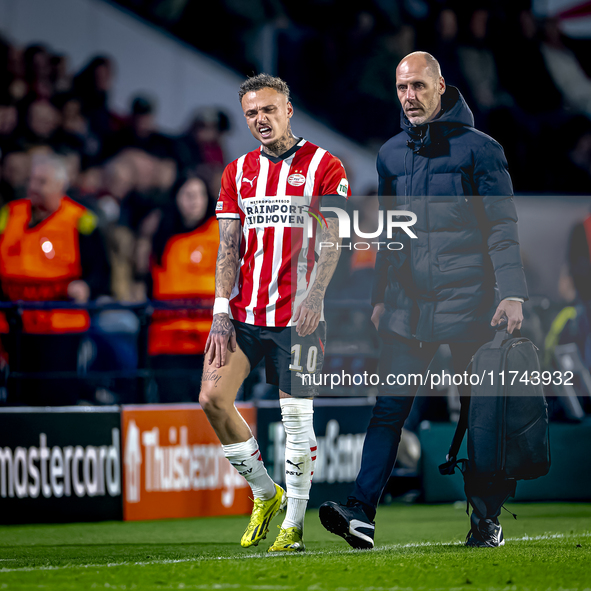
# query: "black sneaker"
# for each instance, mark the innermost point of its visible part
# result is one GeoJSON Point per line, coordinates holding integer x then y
{"type": "Point", "coordinates": [485, 533]}
{"type": "Point", "coordinates": [348, 521]}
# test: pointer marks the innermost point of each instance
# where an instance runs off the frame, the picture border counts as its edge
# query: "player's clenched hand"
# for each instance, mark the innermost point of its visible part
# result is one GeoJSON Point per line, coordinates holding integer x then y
{"type": "Point", "coordinates": [511, 310]}
{"type": "Point", "coordinates": [307, 315]}
{"type": "Point", "coordinates": [221, 337]}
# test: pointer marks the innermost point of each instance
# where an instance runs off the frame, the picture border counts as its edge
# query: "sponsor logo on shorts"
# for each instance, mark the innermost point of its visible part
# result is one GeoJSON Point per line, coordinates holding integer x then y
{"type": "Point", "coordinates": [219, 206]}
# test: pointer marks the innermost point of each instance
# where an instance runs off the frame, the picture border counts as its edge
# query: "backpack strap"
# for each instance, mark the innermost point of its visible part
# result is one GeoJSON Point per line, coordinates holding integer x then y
{"type": "Point", "coordinates": [450, 465]}
{"type": "Point", "coordinates": [452, 462]}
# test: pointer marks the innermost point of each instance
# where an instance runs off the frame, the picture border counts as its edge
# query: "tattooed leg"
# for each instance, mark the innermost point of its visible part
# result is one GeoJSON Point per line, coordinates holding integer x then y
{"type": "Point", "coordinates": [219, 387]}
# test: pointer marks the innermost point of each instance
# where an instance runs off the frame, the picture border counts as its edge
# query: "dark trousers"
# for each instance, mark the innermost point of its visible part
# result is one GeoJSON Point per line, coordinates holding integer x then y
{"type": "Point", "coordinates": [393, 405]}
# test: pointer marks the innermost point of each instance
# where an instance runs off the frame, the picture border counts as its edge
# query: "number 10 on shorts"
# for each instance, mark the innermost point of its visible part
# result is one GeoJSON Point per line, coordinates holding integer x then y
{"type": "Point", "coordinates": [311, 358]}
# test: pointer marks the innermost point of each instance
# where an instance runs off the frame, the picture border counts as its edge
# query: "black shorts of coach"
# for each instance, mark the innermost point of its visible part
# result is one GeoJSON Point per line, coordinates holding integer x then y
{"type": "Point", "coordinates": [290, 360]}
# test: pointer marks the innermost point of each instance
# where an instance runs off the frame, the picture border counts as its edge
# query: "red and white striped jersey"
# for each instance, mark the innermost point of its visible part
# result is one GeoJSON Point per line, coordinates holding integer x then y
{"type": "Point", "coordinates": [272, 197]}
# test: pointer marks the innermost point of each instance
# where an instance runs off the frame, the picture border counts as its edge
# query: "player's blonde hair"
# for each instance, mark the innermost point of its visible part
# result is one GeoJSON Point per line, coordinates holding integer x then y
{"type": "Point", "coordinates": [260, 81]}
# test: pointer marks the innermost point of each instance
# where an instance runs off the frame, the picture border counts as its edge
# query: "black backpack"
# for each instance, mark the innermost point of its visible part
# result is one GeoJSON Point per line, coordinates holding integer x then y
{"type": "Point", "coordinates": [506, 415]}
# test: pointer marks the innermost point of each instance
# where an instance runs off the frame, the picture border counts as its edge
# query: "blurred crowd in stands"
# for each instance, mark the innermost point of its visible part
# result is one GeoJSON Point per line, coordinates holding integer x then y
{"type": "Point", "coordinates": [143, 187]}
{"type": "Point", "coordinates": [527, 83]}
{"type": "Point", "coordinates": [120, 166]}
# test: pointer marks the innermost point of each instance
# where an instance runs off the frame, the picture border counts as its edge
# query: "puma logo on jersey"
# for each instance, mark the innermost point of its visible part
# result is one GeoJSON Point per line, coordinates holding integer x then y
{"type": "Point", "coordinates": [245, 180]}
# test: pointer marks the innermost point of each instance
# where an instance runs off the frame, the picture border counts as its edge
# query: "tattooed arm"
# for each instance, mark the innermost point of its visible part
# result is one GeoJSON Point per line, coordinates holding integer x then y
{"type": "Point", "coordinates": [222, 334]}
{"type": "Point", "coordinates": [308, 312]}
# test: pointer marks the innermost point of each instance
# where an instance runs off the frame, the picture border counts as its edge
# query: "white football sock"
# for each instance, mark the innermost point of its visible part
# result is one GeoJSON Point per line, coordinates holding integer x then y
{"type": "Point", "coordinates": [246, 458]}
{"type": "Point", "coordinates": [297, 415]}
{"type": "Point", "coordinates": [296, 511]}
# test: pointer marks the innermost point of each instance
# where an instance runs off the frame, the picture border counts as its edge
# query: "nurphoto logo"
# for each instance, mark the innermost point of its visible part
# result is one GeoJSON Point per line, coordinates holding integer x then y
{"type": "Point", "coordinates": [391, 220]}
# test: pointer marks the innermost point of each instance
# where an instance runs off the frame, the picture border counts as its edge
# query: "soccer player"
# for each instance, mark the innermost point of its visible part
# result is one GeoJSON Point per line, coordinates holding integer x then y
{"type": "Point", "coordinates": [270, 283]}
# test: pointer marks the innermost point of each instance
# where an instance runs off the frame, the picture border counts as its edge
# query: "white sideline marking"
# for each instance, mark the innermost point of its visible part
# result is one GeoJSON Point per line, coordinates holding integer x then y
{"type": "Point", "coordinates": [525, 538]}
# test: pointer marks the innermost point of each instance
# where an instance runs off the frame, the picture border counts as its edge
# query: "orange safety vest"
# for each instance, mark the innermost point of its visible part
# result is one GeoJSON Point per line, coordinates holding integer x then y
{"type": "Point", "coordinates": [187, 272]}
{"type": "Point", "coordinates": [38, 264]}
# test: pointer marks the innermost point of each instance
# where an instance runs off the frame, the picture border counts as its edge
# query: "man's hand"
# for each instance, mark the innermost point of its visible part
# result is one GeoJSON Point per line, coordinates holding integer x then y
{"type": "Point", "coordinates": [307, 315]}
{"type": "Point", "coordinates": [378, 310]}
{"type": "Point", "coordinates": [511, 310]}
{"type": "Point", "coordinates": [79, 291]}
{"type": "Point", "coordinates": [222, 337]}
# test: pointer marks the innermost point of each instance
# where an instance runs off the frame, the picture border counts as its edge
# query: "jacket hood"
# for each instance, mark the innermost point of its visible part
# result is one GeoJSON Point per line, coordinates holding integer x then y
{"type": "Point", "coordinates": [456, 113]}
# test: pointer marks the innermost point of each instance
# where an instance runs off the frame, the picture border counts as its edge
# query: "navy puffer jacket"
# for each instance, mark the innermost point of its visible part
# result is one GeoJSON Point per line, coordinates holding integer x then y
{"type": "Point", "coordinates": [445, 285]}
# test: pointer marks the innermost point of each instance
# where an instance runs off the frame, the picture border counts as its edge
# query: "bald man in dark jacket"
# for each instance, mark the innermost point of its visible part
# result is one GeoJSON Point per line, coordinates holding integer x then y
{"type": "Point", "coordinates": [458, 278]}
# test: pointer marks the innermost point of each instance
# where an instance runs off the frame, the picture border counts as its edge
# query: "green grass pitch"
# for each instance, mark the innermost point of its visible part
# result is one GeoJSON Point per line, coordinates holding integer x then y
{"type": "Point", "coordinates": [417, 547]}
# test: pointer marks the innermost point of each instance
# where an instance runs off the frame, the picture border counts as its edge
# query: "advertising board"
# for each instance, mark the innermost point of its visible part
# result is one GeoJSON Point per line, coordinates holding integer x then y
{"type": "Point", "coordinates": [60, 464]}
{"type": "Point", "coordinates": [174, 466]}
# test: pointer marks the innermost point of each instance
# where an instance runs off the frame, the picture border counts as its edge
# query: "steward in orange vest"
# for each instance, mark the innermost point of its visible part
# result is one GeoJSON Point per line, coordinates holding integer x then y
{"type": "Point", "coordinates": [183, 269]}
{"type": "Point", "coordinates": [50, 250]}
{"type": "Point", "coordinates": [38, 263]}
